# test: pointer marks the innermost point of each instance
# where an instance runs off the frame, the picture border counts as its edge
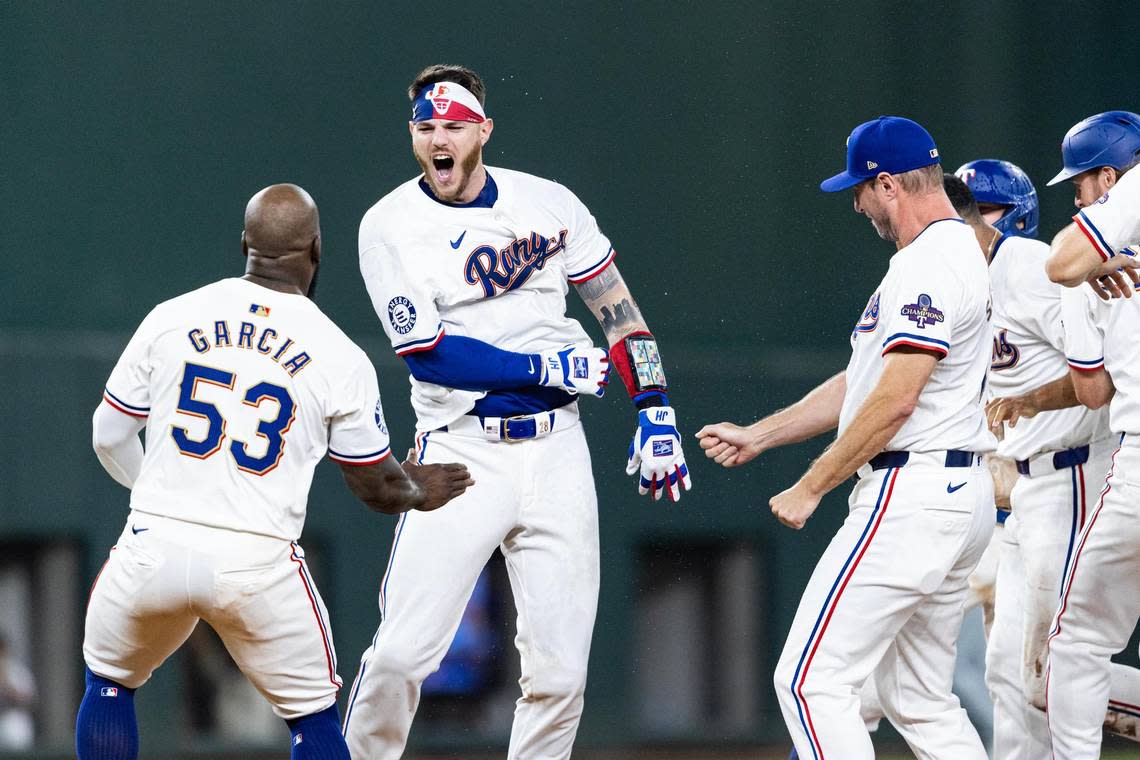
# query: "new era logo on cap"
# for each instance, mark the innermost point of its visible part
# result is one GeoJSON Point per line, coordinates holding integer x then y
{"type": "Point", "coordinates": [890, 144]}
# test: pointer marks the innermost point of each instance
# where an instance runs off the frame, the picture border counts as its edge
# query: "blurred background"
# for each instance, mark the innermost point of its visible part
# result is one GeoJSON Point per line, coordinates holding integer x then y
{"type": "Point", "coordinates": [132, 134]}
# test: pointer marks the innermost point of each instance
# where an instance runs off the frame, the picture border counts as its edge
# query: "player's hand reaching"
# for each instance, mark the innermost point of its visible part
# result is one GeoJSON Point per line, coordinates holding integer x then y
{"type": "Point", "coordinates": [655, 453]}
{"type": "Point", "coordinates": [440, 482]}
{"type": "Point", "coordinates": [728, 444]}
{"type": "Point", "coordinates": [578, 369]}
{"type": "Point", "coordinates": [1009, 411]}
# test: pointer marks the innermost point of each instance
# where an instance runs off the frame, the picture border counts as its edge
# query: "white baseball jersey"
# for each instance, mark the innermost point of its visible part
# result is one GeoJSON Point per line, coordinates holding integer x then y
{"type": "Point", "coordinates": [1113, 222]}
{"type": "Point", "coordinates": [936, 296]}
{"type": "Point", "coordinates": [472, 270]}
{"type": "Point", "coordinates": [1029, 350]}
{"type": "Point", "coordinates": [1099, 334]}
{"type": "Point", "coordinates": [243, 390]}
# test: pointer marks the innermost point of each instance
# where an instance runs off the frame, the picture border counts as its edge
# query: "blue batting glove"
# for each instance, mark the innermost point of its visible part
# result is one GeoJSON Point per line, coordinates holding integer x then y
{"type": "Point", "coordinates": [656, 452]}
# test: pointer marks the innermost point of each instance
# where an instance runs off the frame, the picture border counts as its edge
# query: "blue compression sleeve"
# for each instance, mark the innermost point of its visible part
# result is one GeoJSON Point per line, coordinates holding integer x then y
{"type": "Point", "coordinates": [472, 365]}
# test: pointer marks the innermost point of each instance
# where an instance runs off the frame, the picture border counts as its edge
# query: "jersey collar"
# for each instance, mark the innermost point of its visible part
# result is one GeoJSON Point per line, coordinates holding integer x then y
{"type": "Point", "coordinates": [486, 198]}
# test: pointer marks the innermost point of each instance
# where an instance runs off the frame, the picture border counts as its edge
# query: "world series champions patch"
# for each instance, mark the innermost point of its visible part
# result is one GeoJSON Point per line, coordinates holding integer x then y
{"type": "Point", "coordinates": [922, 313]}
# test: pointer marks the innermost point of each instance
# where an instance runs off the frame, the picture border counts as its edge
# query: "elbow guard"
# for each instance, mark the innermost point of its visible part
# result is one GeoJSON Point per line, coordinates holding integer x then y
{"type": "Point", "coordinates": [636, 359]}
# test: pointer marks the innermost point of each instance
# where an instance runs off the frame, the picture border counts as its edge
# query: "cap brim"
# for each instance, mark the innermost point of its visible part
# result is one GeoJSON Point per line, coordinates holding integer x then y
{"type": "Point", "coordinates": [1062, 175]}
{"type": "Point", "coordinates": [840, 181]}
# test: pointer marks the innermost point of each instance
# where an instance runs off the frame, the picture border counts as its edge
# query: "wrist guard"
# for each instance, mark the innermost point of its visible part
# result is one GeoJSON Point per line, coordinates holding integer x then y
{"type": "Point", "coordinates": [636, 359]}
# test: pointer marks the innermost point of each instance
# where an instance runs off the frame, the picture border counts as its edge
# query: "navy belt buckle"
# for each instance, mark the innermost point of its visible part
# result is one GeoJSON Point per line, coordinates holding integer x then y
{"type": "Point", "coordinates": [518, 428]}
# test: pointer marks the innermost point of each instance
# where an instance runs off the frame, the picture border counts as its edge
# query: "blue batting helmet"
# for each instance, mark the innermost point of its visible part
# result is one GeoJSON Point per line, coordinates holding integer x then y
{"type": "Point", "coordinates": [1111, 139]}
{"type": "Point", "coordinates": [1004, 184]}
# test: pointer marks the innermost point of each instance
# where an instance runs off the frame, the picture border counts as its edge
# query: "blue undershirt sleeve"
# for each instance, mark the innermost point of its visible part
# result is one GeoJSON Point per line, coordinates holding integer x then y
{"type": "Point", "coordinates": [472, 365]}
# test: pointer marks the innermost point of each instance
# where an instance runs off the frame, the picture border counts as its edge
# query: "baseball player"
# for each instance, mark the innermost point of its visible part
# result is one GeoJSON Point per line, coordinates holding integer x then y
{"type": "Point", "coordinates": [1099, 606]}
{"type": "Point", "coordinates": [1096, 152]}
{"type": "Point", "coordinates": [885, 600]}
{"type": "Point", "coordinates": [468, 267]}
{"type": "Point", "coordinates": [242, 386]}
{"type": "Point", "coordinates": [1061, 450]}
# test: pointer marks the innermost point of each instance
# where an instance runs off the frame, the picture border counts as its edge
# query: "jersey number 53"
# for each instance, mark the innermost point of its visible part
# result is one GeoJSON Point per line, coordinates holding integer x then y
{"type": "Point", "coordinates": [272, 430]}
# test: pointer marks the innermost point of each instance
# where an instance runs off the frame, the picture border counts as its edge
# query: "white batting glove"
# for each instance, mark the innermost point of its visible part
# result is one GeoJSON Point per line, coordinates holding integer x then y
{"type": "Point", "coordinates": [656, 452]}
{"type": "Point", "coordinates": [577, 369]}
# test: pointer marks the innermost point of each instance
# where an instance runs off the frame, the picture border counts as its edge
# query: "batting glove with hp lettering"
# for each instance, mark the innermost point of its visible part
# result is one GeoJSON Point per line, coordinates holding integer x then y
{"type": "Point", "coordinates": [656, 452]}
{"type": "Point", "coordinates": [577, 369]}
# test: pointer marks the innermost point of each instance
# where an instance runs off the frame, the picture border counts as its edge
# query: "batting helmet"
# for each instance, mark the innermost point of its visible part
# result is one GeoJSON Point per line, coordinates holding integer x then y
{"type": "Point", "coordinates": [1004, 184]}
{"type": "Point", "coordinates": [1111, 139]}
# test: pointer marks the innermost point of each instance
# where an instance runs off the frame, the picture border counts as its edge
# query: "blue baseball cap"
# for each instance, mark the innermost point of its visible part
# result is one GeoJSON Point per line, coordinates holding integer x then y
{"type": "Point", "coordinates": [890, 144]}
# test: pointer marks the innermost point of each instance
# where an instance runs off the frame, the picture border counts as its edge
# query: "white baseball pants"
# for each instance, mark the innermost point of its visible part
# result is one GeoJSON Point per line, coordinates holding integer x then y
{"type": "Point", "coordinates": [886, 602]}
{"type": "Point", "coordinates": [535, 500]}
{"type": "Point", "coordinates": [1098, 609]}
{"type": "Point", "coordinates": [163, 575]}
{"type": "Point", "coordinates": [1039, 539]}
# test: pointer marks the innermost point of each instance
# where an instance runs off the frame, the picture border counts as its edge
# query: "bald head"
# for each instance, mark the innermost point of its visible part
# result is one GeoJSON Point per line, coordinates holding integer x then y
{"type": "Point", "coordinates": [281, 219]}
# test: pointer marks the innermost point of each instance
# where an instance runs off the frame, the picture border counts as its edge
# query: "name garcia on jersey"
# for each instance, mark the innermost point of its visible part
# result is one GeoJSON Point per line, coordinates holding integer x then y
{"type": "Point", "coordinates": [249, 337]}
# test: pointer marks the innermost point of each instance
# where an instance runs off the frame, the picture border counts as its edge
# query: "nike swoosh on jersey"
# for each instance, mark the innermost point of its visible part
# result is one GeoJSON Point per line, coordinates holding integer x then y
{"type": "Point", "coordinates": [952, 489]}
{"type": "Point", "coordinates": [459, 241]}
{"type": "Point", "coordinates": [137, 531]}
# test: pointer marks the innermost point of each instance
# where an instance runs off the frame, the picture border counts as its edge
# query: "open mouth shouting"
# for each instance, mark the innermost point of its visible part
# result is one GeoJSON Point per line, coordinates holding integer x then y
{"type": "Point", "coordinates": [444, 166]}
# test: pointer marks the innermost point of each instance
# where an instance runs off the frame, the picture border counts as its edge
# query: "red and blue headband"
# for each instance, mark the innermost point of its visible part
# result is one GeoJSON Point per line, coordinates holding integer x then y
{"type": "Point", "coordinates": [448, 101]}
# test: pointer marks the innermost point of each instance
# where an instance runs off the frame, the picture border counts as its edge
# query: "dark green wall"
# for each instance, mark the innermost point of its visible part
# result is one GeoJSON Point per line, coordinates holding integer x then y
{"type": "Point", "coordinates": [131, 136]}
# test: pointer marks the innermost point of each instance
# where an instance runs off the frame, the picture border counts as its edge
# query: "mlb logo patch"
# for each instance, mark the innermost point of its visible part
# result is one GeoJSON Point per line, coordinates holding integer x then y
{"type": "Point", "coordinates": [258, 310]}
{"type": "Point", "coordinates": [298, 739]}
{"type": "Point", "coordinates": [581, 367]}
{"type": "Point", "coordinates": [662, 448]}
{"type": "Point", "coordinates": [108, 691]}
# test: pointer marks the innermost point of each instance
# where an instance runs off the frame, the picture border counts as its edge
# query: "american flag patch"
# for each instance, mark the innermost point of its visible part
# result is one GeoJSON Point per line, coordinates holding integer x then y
{"type": "Point", "coordinates": [258, 310]}
{"type": "Point", "coordinates": [108, 691]}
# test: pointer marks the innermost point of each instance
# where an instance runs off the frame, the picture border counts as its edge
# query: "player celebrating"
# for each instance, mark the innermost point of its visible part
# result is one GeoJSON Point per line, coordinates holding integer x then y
{"type": "Point", "coordinates": [885, 600]}
{"type": "Point", "coordinates": [467, 267]}
{"type": "Point", "coordinates": [242, 386]}
{"type": "Point", "coordinates": [1096, 153]}
{"type": "Point", "coordinates": [1091, 624]}
{"type": "Point", "coordinates": [1061, 452]}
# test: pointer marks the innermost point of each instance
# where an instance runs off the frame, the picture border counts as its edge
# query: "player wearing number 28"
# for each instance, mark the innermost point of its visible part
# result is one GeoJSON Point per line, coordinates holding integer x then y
{"type": "Point", "coordinates": [468, 267]}
{"type": "Point", "coordinates": [242, 385]}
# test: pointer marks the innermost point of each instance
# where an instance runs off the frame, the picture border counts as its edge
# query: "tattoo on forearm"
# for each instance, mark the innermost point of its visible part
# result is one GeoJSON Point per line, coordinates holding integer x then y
{"type": "Point", "coordinates": [618, 318]}
{"type": "Point", "coordinates": [600, 285]}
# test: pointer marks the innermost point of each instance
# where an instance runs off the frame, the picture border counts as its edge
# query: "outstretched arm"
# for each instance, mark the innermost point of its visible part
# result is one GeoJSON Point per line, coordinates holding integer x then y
{"type": "Point", "coordinates": [814, 414]}
{"type": "Point", "coordinates": [391, 488]}
{"type": "Point", "coordinates": [885, 410]}
{"type": "Point", "coordinates": [1057, 394]}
